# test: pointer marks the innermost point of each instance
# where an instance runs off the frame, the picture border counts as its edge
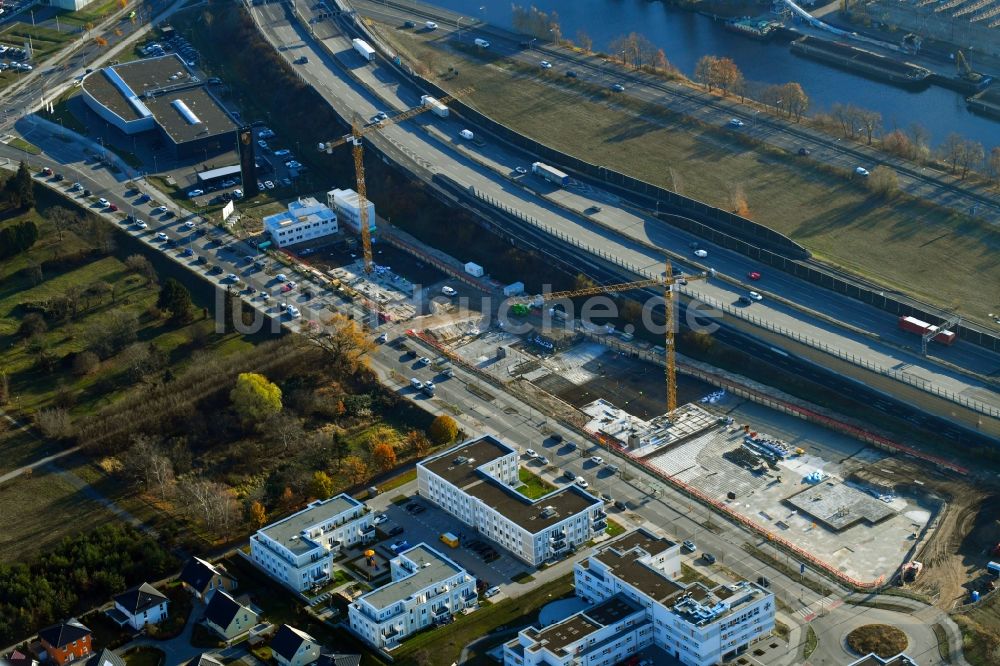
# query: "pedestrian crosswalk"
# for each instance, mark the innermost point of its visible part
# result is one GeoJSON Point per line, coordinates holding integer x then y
{"type": "Point", "coordinates": [813, 610]}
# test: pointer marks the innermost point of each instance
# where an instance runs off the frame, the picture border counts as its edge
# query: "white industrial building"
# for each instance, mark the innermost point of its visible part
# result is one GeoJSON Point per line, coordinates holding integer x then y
{"type": "Point", "coordinates": [299, 550]}
{"type": "Point", "coordinates": [345, 203]}
{"type": "Point", "coordinates": [71, 5]}
{"type": "Point", "coordinates": [638, 603]}
{"type": "Point", "coordinates": [306, 219]}
{"type": "Point", "coordinates": [426, 588]}
{"type": "Point", "coordinates": [475, 481]}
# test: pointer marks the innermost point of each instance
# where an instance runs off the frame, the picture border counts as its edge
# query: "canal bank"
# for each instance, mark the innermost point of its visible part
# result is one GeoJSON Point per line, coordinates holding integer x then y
{"type": "Point", "coordinates": [685, 36]}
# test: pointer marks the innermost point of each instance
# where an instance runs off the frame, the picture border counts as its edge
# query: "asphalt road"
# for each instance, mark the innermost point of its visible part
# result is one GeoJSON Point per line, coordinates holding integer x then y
{"type": "Point", "coordinates": [484, 409]}
{"type": "Point", "coordinates": [919, 181]}
{"type": "Point", "coordinates": [433, 144]}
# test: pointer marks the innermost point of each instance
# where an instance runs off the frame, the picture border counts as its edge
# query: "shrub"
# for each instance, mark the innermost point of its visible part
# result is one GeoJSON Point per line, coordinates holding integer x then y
{"type": "Point", "coordinates": [883, 181]}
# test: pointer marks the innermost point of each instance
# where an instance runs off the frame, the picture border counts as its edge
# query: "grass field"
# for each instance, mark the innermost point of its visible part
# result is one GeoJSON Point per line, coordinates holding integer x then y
{"type": "Point", "coordinates": [44, 41]}
{"type": "Point", "coordinates": [21, 144]}
{"type": "Point", "coordinates": [534, 485]}
{"type": "Point", "coordinates": [40, 509]}
{"type": "Point", "coordinates": [833, 216]}
{"type": "Point", "coordinates": [91, 13]}
{"type": "Point", "coordinates": [980, 630]}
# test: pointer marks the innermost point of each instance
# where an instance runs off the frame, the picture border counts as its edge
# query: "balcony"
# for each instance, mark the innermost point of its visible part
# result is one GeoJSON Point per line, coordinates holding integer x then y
{"type": "Point", "coordinates": [559, 544]}
{"type": "Point", "coordinates": [598, 515]}
{"type": "Point", "coordinates": [600, 525]}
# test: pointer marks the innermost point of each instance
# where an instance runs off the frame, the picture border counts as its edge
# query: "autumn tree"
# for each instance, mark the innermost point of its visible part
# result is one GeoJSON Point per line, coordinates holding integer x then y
{"type": "Point", "coordinates": [417, 443]}
{"type": "Point", "coordinates": [354, 469]}
{"type": "Point", "coordinates": [883, 181]}
{"type": "Point", "coordinates": [795, 100]}
{"type": "Point", "coordinates": [534, 22]}
{"type": "Point", "coordinates": [141, 265]}
{"type": "Point", "coordinates": [258, 515]}
{"type": "Point", "coordinates": [703, 72]}
{"type": "Point", "coordinates": [321, 486]}
{"type": "Point", "coordinates": [343, 341]}
{"type": "Point", "coordinates": [443, 430]}
{"type": "Point", "coordinates": [384, 457]}
{"type": "Point", "coordinates": [897, 143]}
{"type": "Point", "coordinates": [255, 398]}
{"type": "Point", "coordinates": [584, 41]}
{"type": "Point", "coordinates": [382, 436]}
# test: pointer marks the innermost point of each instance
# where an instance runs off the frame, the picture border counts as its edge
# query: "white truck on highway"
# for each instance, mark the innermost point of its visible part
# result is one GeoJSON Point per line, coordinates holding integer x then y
{"type": "Point", "coordinates": [482, 43]}
{"type": "Point", "coordinates": [364, 49]}
{"type": "Point", "coordinates": [550, 174]}
{"type": "Point", "coordinates": [436, 107]}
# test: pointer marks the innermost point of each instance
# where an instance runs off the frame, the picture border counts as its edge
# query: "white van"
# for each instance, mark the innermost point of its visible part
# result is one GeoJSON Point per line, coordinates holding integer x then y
{"type": "Point", "coordinates": [416, 384]}
{"type": "Point", "coordinates": [431, 25]}
{"type": "Point", "coordinates": [467, 135]}
{"type": "Point", "coordinates": [482, 43]}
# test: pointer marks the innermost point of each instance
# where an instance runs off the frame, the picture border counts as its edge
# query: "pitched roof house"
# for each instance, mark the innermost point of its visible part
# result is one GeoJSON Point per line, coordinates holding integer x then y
{"type": "Point", "coordinates": [202, 579]}
{"type": "Point", "coordinates": [66, 641]}
{"type": "Point", "coordinates": [204, 659]}
{"type": "Point", "coordinates": [105, 658]}
{"type": "Point", "coordinates": [294, 647]}
{"type": "Point", "coordinates": [228, 617]}
{"type": "Point", "coordinates": [140, 606]}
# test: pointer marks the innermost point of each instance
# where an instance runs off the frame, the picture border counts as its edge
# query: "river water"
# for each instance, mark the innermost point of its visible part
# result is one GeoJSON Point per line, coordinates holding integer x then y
{"type": "Point", "coordinates": [685, 37]}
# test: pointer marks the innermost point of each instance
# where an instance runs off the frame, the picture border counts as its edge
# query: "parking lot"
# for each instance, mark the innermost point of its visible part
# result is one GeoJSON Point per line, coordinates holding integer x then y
{"type": "Point", "coordinates": [428, 526]}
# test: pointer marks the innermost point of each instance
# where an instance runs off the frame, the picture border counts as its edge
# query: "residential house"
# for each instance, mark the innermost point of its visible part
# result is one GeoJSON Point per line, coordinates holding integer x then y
{"type": "Point", "coordinates": [18, 658]}
{"type": "Point", "coordinates": [427, 588]}
{"type": "Point", "coordinates": [204, 659]}
{"type": "Point", "coordinates": [228, 617]}
{"type": "Point", "coordinates": [335, 659]}
{"type": "Point", "coordinates": [298, 551]}
{"type": "Point", "coordinates": [637, 601]}
{"type": "Point", "coordinates": [293, 647]}
{"type": "Point", "coordinates": [140, 606]}
{"type": "Point", "coordinates": [202, 579]}
{"type": "Point", "coordinates": [476, 482]}
{"type": "Point", "coordinates": [66, 641]}
{"type": "Point", "coordinates": [105, 658]}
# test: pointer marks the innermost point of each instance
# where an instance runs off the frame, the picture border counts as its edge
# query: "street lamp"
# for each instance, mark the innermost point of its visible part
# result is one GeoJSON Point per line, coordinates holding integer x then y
{"type": "Point", "coordinates": [458, 26]}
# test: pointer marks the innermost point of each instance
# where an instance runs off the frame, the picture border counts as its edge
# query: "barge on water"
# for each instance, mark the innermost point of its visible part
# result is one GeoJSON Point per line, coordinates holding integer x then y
{"type": "Point", "coordinates": [872, 64]}
{"type": "Point", "coordinates": [761, 29]}
{"type": "Point", "coordinates": [986, 102]}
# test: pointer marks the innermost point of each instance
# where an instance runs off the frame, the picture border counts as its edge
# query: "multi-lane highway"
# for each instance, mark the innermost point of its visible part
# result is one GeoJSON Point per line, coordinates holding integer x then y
{"type": "Point", "coordinates": [920, 181]}
{"type": "Point", "coordinates": [432, 144]}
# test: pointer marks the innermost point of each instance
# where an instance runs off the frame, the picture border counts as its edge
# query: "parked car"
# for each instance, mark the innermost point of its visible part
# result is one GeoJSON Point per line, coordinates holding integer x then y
{"type": "Point", "coordinates": [112, 208]}
{"type": "Point", "coordinates": [618, 87]}
{"type": "Point", "coordinates": [103, 203]}
{"type": "Point", "coordinates": [262, 144]}
{"type": "Point", "coordinates": [570, 73]}
{"type": "Point", "coordinates": [861, 171]}
{"type": "Point", "coordinates": [381, 339]}
{"type": "Point", "coordinates": [597, 460]}
{"type": "Point", "coordinates": [736, 122]}
{"type": "Point", "coordinates": [189, 224]}
{"type": "Point", "coordinates": [282, 152]}
{"type": "Point", "coordinates": [269, 184]}
{"type": "Point", "coordinates": [492, 592]}
{"type": "Point", "coordinates": [301, 60]}
{"type": "Point", "coordinates": [281, 277]}
{"type": "Point", "coordinates": [159, 210]}
{"type": "Point", "coordinates": [423, 361]}
{"type": "Point", "coordinates": [708, 558]}
{"type": "Point", "coordinates": [531, 453]}
{"type": "Point", "coordinates": [542, 460]}
{"type": "Point", "coordinates": [804, 152]}
{"type": "Point", "coordinates": [689, 546]}
{"type": "Point", "coordinates": [397, 530]}
{"type": "Point", "coordinates": [556, 437]}
{"type": "Point", "coordinates": [232, 277]}
{"type": "Point", "coordinates": [161, 236]}
{"type": "Point", "coordinates": [580, 481]}
{"type": "Point", "coordinates": [195, 193]}
{"type": "Point", "coordinates": [448, 291]}
{"type": "Point", "coordinates": [379, 519]}
{"type": "Point", "coordinates": [545, 64]}
{"type": "Point", "coordinates": [140, 224]}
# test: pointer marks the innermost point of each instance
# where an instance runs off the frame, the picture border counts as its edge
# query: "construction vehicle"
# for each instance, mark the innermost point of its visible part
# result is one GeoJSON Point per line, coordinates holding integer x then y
{"type": "Point", "coordinates": [358, 131]}
{"type": "Point", "coordinates": [965, 71]}
{"type": "Point", "coordinates": [667, 282]}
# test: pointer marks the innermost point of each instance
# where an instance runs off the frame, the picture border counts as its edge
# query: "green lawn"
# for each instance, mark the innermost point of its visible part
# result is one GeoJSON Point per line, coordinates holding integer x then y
{"type": "Point", "coordinates": [614, 529]}
{"type": "Point", "coordinates": [533, 486]}
{"type": "Point", "coordinates": [92, 13]}
{"type": "Point", "coordinates": [397, 481]}
{"type": "Point", "coordinates": [828, 213]}
{"type": "Point", "coordinates": [40, 509]}
{"type": "Point", "coordinates": [21, 144]}
{"type": "Point", "coordinates": [44, 41]}
{"type": "Point", "coordinates": [446, 643]}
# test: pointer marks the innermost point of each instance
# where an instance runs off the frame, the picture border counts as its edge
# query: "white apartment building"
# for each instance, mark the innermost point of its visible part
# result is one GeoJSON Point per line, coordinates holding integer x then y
{"type": "Point", "coordinates": [638, 602]}
{"type": "Point", "coordinates": [299, 550]}
{"type": "Point", "coordinates": [476, 480]}
{"type": "Point", "coordinates": [346, 204]}
{"type": "Point", "coordinates": [426, 588]}
{"type": "Point", "coordinates": [305, 219]}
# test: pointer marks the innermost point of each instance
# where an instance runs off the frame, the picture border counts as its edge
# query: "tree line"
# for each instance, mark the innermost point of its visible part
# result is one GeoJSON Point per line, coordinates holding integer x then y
{"type": "Point", "coordinates": [77, 574]}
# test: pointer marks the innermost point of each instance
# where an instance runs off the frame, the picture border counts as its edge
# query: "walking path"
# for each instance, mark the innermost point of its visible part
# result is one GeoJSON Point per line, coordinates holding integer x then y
{"type": "Point", "coordinates": [38, 463]}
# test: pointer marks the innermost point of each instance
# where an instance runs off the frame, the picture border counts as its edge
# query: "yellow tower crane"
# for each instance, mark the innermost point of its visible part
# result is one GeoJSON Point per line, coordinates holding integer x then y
{"type": "Point", "coordinates": [354, 138]}
{"type": "Point", "coordinates": [667, 281]}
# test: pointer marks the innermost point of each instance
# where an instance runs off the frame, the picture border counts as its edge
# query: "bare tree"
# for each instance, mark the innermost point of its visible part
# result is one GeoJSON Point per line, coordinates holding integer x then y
{"type": "Point", "coordinates": [796, 100]}
{"type": "Point", "coordinates": [584, 41]}
{"type": "Point", "coordinates": [62, 219]}
{"type": "Point", "coordinates": [55, 423]}
{"type": "Point", "coordinates": [951, 149]}
{"type": "Point", "coordinates": [995, 164]}
{"type": "Point", "coordinates": [870, 121]}
{"type": "Point", "coordinates": [971, 156]}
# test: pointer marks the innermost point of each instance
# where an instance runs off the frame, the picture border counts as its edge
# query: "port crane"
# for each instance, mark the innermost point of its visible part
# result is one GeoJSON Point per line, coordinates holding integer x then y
{"type": "Point", "coordinates": [359, 131]}
{"type": "Point", "coordinates": [667, 282]}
